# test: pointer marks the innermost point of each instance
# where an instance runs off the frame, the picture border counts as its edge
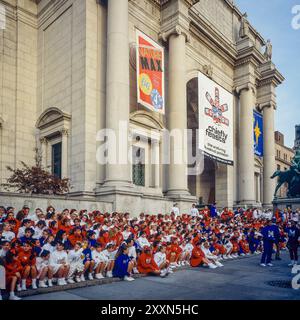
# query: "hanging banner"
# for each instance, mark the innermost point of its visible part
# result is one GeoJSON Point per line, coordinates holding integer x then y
{"type": "Point", "coordinates": [258, 133]}
{"type": "Point", "coordinates": [150, 73]}
{"type": "Point", "coordinates": [215, 120]}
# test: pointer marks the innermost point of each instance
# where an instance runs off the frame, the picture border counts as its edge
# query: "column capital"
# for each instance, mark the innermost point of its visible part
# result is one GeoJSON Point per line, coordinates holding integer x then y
{"type": "Point", "coordinates": [269, 104]}
{"type": "Point", "coordinates": [43, 140]}
{"type": "Point", "coordinates": [176, 30]}
{"type": "Point", "coordinates": [246, 86]}
{"type": "Point", "coordinates": [64, 132]}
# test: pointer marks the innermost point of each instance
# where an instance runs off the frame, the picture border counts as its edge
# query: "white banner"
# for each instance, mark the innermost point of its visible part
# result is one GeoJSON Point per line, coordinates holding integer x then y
{"type": "Point", "coordinates": [215, 120]}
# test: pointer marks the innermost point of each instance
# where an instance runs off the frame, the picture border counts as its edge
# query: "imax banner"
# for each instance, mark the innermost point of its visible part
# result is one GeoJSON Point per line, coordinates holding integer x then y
{"type": "Point", "coordinates": [150, 73]}
{"type": "Point", "coordinates": [215, 121]}
{"type": "Point", "coordinates": [258, 132]}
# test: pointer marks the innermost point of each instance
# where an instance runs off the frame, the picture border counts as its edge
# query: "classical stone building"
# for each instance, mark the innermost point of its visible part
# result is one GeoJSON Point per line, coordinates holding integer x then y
{"type": "Point", "coordinates": [283, 156]}
{"type": "Point", "coordinates": [297, 138]}
{"type": "Point", "coordinates": [68, 71]}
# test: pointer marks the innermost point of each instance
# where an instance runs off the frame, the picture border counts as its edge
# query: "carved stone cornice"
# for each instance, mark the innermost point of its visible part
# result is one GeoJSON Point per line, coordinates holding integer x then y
{"type": "Point", "coordinates": [269, 104]}
{"type": "Point", "coordinates": [270, 75]}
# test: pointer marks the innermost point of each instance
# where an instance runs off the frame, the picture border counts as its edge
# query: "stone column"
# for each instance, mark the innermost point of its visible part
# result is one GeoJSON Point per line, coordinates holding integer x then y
{"type": "Point", "coordinates": [246, 146]}
{"type": "Point", "coordinates": [156, 163]}
{"type": "Point", "coordinates": [117, 91]}
{"type": "Point", "coordinates": [269, 155]}
{"type": "Point", "coordinates": [64, 153]}
{"type": "Point", "coordinates": [177, 114]}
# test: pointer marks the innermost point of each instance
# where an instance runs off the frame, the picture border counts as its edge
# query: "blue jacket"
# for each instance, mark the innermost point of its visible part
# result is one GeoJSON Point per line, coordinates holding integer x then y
{"type": "Point", "coordinates": [270, 233]}
{"type": "Point", "coordinates": [121, 266]}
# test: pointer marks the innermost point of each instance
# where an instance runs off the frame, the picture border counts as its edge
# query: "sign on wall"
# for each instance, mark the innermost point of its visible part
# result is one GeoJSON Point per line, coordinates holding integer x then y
{"type": "Point", "coordinates": [150, 73]}
{"type": "Point", "coordinates": [215, 120]}
{"type": "Point", "coordinates": [258, 132]}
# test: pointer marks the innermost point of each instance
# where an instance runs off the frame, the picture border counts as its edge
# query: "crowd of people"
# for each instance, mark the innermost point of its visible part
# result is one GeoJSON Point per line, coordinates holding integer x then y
{"type": "Point", "coordinates": [46, 248]}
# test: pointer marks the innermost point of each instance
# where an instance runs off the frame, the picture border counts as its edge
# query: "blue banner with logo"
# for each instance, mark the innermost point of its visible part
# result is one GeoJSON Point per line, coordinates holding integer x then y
{"type": "Point", "coordinates": [258, 133]}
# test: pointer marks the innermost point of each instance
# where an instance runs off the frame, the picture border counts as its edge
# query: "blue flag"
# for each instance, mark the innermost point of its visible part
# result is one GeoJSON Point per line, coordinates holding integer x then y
{"type": "Point", "coordinates": [258, 133]}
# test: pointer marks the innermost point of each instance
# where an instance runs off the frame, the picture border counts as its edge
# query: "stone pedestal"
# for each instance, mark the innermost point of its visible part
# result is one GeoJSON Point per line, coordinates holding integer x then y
{"type": "Point", "coordinates": [283, 203]}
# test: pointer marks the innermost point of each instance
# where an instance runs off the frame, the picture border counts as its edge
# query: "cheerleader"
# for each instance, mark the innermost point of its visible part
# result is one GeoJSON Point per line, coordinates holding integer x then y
{"type": "Point", "coordinates": [187, 249]}
{"type": "Point", "coordinates": [13, 269]}
{"type": "Point", "coordinates": [60, 264]}
{"type": "Point", "coordinates": [147, 265]}
{"type": "Point", "coordinates": [110, 253]}
{"type": "Point", "coordinates": [75, 258]}
{"type": "Point", "coordinates": [88, 261]}
{"type": "Point", "coordinates": [101, 261]}
{"type": "Point", "coordinates": [28, 261]}
{"type": "Point", "coordinates": [123, 266]}
{"type": "Point", "coordinates": [213, 259]}
{"type": "Point", "coordinates": [44, 269]}
{"type": "Point", "coordinates": [160, 259]}
{"type": "Point", "coordinates": [132, 253]}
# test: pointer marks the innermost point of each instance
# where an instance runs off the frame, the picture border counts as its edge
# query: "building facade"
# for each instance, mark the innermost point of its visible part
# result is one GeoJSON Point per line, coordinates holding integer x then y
{"type": "Point", "coordinates": [68, 71]}
{"type": "Point", "coordinates": [284, 156]}
{"type": "Point", "coordinates": [297, 138]}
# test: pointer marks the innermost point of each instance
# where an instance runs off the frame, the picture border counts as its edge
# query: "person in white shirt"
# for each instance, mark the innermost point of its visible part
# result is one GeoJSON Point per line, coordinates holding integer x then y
{"type": "Point", "coordinates": [44, 269]}
{"type": "Point", "coordinates": [194, 212]}
{"type": "Point", "coordinates": [25, 224]}
{"type": "Point", "coordinates": [38, 229]}
{"type": "Point", "coordinates": [126, 233]}
{"type": "Point", "coordinates": [160, 259]}
{"type": "Point", "coordinates": [187, 249]}
{"type": "Point", "coordinates": [60, 264]}
{"type": "Point", "coordinates": [110, 253]}
{"type": "Point", "coordinates": [175, 210]}
{"type": "Point", "coordinates": [210, 256]}
{"type": "Point", "coordinates": [101, 261]}
{"type": "Point", "coordinates": [75, 258]}
{"type": "Point", "coordinates": [142, 241]}
{"type": "Point", "coordinates": [49, 244]}
{"type": "Point", "coordinates": [7, 234]}
{"type": "Point", "coordinates": [132, 254]}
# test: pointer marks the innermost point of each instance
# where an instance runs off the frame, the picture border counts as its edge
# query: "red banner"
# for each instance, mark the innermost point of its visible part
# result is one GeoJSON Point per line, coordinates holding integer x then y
{"type": "Point", "coordinates": [150, 73]}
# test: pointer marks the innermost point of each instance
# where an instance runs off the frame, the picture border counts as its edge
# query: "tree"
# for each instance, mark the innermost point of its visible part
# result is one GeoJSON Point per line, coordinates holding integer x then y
{"type": "Point", "coordinates": [36, 179]}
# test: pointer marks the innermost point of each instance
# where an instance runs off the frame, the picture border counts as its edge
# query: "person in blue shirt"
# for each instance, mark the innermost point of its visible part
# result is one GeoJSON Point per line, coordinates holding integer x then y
{"type": "Point", "coordinates": [88, 261]}
{"type": "Point", "coordinates": [293, 242]}
{"type": "Point", "coordinates": [29, 232]}
{"type": "Point", "coordinates": [123, 265]}
{"type": "Point", "coordinates": [213, 210]}
{"type": "Point", "coordinates": [270, 233]}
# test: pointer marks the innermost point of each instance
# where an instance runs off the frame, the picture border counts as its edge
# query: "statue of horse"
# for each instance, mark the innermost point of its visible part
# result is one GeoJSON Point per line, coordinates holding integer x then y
{"type": "Point", "coordinates": [283, 177]}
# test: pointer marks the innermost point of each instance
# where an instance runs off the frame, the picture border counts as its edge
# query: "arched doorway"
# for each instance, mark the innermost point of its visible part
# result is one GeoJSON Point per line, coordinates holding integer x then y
{"type": "Point", "coordinates": [202, 185]}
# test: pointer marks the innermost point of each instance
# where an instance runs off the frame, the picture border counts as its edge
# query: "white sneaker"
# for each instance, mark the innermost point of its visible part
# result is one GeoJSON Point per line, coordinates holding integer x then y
{"type": "Point", "coordinates": [225, 257]}
{"type": "Point", "coordinates": [126, 278]}
{"type": "Point", "coordinates": [163, 273]}
{"type": "Point", "coordinates": [263, 264]}
{"type": "Point", "coordinates": [135, 270]}
{"type": "Point", "coordinates": [82, 278]}
{"type": "Point", "coordinates": [90, 276]}
{"type": "Point", "coordinates": [109, 274]}
{"type": "Point", "coordinates": [242, 254]}
{"type": "Point", "coordinates": [77, 279]}
{"type": "Point", "coordinates": [42, 284]}
{"type": "Point", "coordinates": [60, 282]}
{"type": "Point", "coordinates": [99, 276]}
{"type": "Point", "coordinates": [170, 270]}
{"type": "Point", "coordinates": [19, 288]}
{"type": "Point", "coordinates": [50, 284]}
{"type": "Point", "coordinates": [12, 296]}
{"type": "Point", "coordinates": [70, 281]}
{"type": "Point", "coordinates": [269, 264]}
{"type": "Point", "coordinates": [219, 264]}
{"type": "Point", "coordinates": [292, 263]}
{"type": "Point", "coordinates": [33, 285]}
{"type": "Point", "coordinates": [212, 266]}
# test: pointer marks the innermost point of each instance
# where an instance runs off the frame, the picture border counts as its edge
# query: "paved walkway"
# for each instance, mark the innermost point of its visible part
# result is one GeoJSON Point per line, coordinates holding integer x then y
{"type": "Point", "coordinates": [239, 279]}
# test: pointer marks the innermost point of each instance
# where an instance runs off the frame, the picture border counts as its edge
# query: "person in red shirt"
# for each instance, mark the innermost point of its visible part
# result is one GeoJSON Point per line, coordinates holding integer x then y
{"type": "Point", "coordinates": [146, 263]}
{"type": "Point", "coordinates": [28, 261]}
{"type": "Point", "coordinates": [198, 257]}
{"type": "Point", "coordinates": [75, 236]}
{"type": "Point", "coordinates": [13, 269]}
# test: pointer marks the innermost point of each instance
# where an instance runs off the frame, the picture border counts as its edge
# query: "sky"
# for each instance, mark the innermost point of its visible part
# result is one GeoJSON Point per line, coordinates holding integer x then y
{"type": "Point", "coordinates": [273, 20]}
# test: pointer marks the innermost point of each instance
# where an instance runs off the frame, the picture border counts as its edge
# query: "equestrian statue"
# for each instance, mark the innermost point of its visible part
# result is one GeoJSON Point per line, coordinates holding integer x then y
{"type": "Point", "coordinates": [291, 177]}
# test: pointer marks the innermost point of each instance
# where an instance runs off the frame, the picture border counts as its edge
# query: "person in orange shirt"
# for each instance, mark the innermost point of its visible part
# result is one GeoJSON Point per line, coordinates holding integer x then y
{"type": "Point", "coordinates": [198, 257]}
{"type": "Point", "coordinates": [75, 236]}
{"type": "Point", "coordinates": [13, 269]}
{"type": "Point", "coordinates": [28, 261]}
{"type": "Point", "coordinates": [244, 246]}
{"type": "Point", "coordinates": [146, 263]}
